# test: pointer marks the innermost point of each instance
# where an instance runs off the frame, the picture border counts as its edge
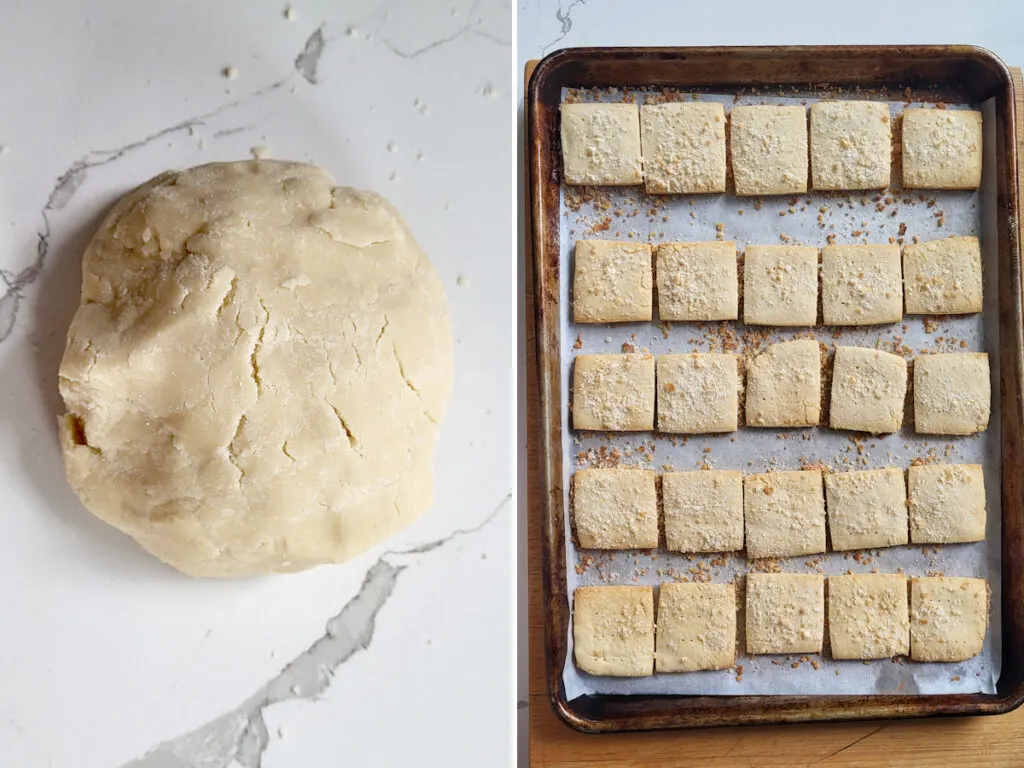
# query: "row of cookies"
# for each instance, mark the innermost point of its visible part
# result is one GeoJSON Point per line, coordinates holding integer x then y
{"type": "Point", "coordinates": [860, 284]}
{"type": "Point", "coordinates": [616, 633]}
{"type": "Point", "coordinates": [699, 392]}
{"type": "Point", "coordinates": [778, 514]}
{"type": "Point", "coordinates": [680, 147]}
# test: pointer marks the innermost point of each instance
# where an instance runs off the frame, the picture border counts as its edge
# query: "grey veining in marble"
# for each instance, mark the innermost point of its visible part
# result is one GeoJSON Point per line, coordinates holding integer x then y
{"type": "Point", "coordinates": [239, 737]}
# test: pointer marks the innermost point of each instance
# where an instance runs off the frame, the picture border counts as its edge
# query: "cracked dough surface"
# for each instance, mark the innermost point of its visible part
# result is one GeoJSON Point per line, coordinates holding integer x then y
{"type": "Point", "coordinates": [256, 374]}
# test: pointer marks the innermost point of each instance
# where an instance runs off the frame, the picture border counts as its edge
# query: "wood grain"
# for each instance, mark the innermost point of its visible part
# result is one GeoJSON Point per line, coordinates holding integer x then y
{"type": "Point", "coordinates": [990, 741]}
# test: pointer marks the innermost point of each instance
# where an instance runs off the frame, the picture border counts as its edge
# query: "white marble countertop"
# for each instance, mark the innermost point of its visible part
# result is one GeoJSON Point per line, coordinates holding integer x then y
{"type": "Point", "coordinates": [401, 656]}
{"type": "Point", "coordinates": [548, 25]}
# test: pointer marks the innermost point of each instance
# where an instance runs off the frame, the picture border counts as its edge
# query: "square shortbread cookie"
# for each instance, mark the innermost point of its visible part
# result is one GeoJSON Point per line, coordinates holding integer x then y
{"type": "Point", "coordinates": [866, 509]}
{"type": "Point", "coordinates": [851, 145]}
{"type": "Point", "coordinates": [613, 630]}
{"type": "Point", "coordinates": [943, 277]}
{"type": "Point", "coordinates": [683, 147]}
{"type": "Point", "coordinates": [868, 616]}
{"type": "Point", "coordinates": [948, 618]}
{"type": "Point", "coordinates": [616, 508]}
{"type": "Point", "coordinates": [861, 284]}
{"type": "Point", "coordinates": [785, 612]}
{"type": "Point", "coordinates": [601, 144]}
{"type": "Point", "coordinates": [698, 393]}
{"type": "Point", "coordinates": [613, 392]}
{"type": "Point", "coordinates": [697, 281]}
{"type": "Point", "coordinates": [614, 282]}
{"type": "Point", "coordinates": [703, 510]}
{"type": "Point", "coordinates": [769, 149]}
{"type": "Point", "coordinates": [780, 285]}
{"type": "Point", "coordinates": [784, 385]}
{"type": "Point", "coordinates": [941, 149]}
{"type": "Point", "coordinates": [784, 513]}
{"type": "Point", "coordinates": [952, 393]}
{"type": "Point", "coordinates": [696, 627]}
{"type": "Point", "coordinates": [947, 503]}
{"type": "Point", "coordinates": [868, 390]}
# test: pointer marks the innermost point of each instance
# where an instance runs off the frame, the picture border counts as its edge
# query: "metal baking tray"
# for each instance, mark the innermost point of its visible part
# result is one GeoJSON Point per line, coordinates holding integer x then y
{"type": "Point", "coordinates": [922, 73]}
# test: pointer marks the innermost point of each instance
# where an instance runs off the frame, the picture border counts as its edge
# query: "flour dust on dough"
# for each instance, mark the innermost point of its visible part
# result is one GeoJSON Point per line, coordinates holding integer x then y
{"type": "Point", "coordinates": [256, 374]}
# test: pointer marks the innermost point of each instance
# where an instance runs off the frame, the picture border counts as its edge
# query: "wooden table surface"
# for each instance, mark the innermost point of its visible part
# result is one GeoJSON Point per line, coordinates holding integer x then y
{"type": "Point", "coordinates": [936, 743]}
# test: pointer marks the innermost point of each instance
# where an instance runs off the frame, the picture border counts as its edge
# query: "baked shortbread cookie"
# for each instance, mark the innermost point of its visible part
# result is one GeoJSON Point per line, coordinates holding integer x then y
{"type": "Point", "coordinates": [784, 385]}
{"type": "Point", "coordinates": [696, 627]}
{"type": "Point", "coordinates": [784, 513]}
{"type": "Point", "coordinates": [769, 149]}
{"type": "Point", "coordinates": [941, 149]}
{"type": "Point", "coordinates": [943, 277]}
{"type": "Point", "coordinates": [868, 616]}
{"type": "Point", "coordinates": [948, 618]}
{"type": "Point", "coordinates": [683, 147]}
{"type": "Point", "coordinates": [613, 282]}
{"type": "Point", "coordinates": [850, 145]}
{"type": "Point", "coordinates": [866, 509]}
{"type": "Point", "coordinates": [697, 281]}
{"type": "Point", "coordinates": [868, 390]}
{"type": "Point", "coordinates": [785, 612]}
{"type": "Point", "coordinates": [780, 285]}
{"type": "Point", "coordinates": [952, 393]}
{"type": "Point", "coordinates": [601, 144]}
{"type": "Point", "coordinates": [613, 393]}
{"type": "Point", "coordinates": [615, 508]}
{"type": "Point", "coordinates": [947, 503]}
{"type": "Point", "coordinates": [861, 284]}
{"type": "Point", "coordinates": [703, 510]}
{"type": "Point", "coordinates": [613, 630]}
{"type": "Point", "coordinates": [698, 393]}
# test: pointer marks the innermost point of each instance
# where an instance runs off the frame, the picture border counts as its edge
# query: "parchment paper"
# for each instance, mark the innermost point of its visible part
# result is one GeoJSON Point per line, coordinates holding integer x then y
{"type": "Point", "coordinates": [629, 214]}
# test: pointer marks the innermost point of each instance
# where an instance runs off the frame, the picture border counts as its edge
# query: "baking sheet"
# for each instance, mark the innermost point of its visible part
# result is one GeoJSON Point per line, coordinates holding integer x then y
{"type": "Point", "coordinates": [872, 217]}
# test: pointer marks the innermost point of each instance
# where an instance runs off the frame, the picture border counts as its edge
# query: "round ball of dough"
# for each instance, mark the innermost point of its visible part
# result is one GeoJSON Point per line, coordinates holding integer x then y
{"type": "Point", "coordinates": [256, 374]}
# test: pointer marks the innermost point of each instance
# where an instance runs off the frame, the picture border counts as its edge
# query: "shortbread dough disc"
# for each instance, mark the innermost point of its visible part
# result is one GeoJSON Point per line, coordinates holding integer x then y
{"type": "Point", "coordinates": [256, 374]}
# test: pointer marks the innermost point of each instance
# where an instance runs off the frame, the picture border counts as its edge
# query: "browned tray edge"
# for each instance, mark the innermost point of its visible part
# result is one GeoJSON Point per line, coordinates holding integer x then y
{"type": "Point", "coordinates": [623, 713]}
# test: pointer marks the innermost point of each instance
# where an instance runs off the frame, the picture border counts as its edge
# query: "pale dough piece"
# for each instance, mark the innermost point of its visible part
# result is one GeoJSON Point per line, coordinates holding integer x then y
{"type": "Point", "coordinates": [769, 149]}
{"type": "Point", "coordinates": [696, 627]}
{"type": "Point", "coordinates": [785, 612]}
{"type": "Point", "coordinates": [613, 392]}
{"type": "Point", "coordinates": [941, 149]}
{"type": "Point", "coordinates": [851, 145]}
{"type": "Point", "coordinates": [613, 283]}
{"type": "Point", "coordinates": [784, 385]}
{"type": "Point", "coordinates": [697, 281]}
{"type": "Point", "coordinates": [947, 503]}
{"type": "Point", "coordinates": [943, 277]}
{"type": "Point", "coordinates": [601, 144]}
{"type": "Point", "coordinates": [698, 393]}
{"type": "Point", "coordinates": [784, 513]}
{"type": "Point", "coordinates": [866, 509]}
{"type": "Point", "coordinates": [613, 630]}
{"type": "Point", "coordinates": [683, 147]}
{"type": "Point", "coordinates": [948, 618]}
{"type": "Point", "coordinates": [616, 508]}
{"type": "Point", "coordinates": [868, 390]}
{"type": "Point", "coordinates": [868, 616]}
{"type": "Point", "coordinates": [861, 284]}
{"type": "Point", "coordinates": [703, 510]}
{"type": "Point", "coordinates": [780, 285]}
{"type": "Point", "coordinates": [256, 374]}
{"type": "Point", "coordinates": [952, 393]}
